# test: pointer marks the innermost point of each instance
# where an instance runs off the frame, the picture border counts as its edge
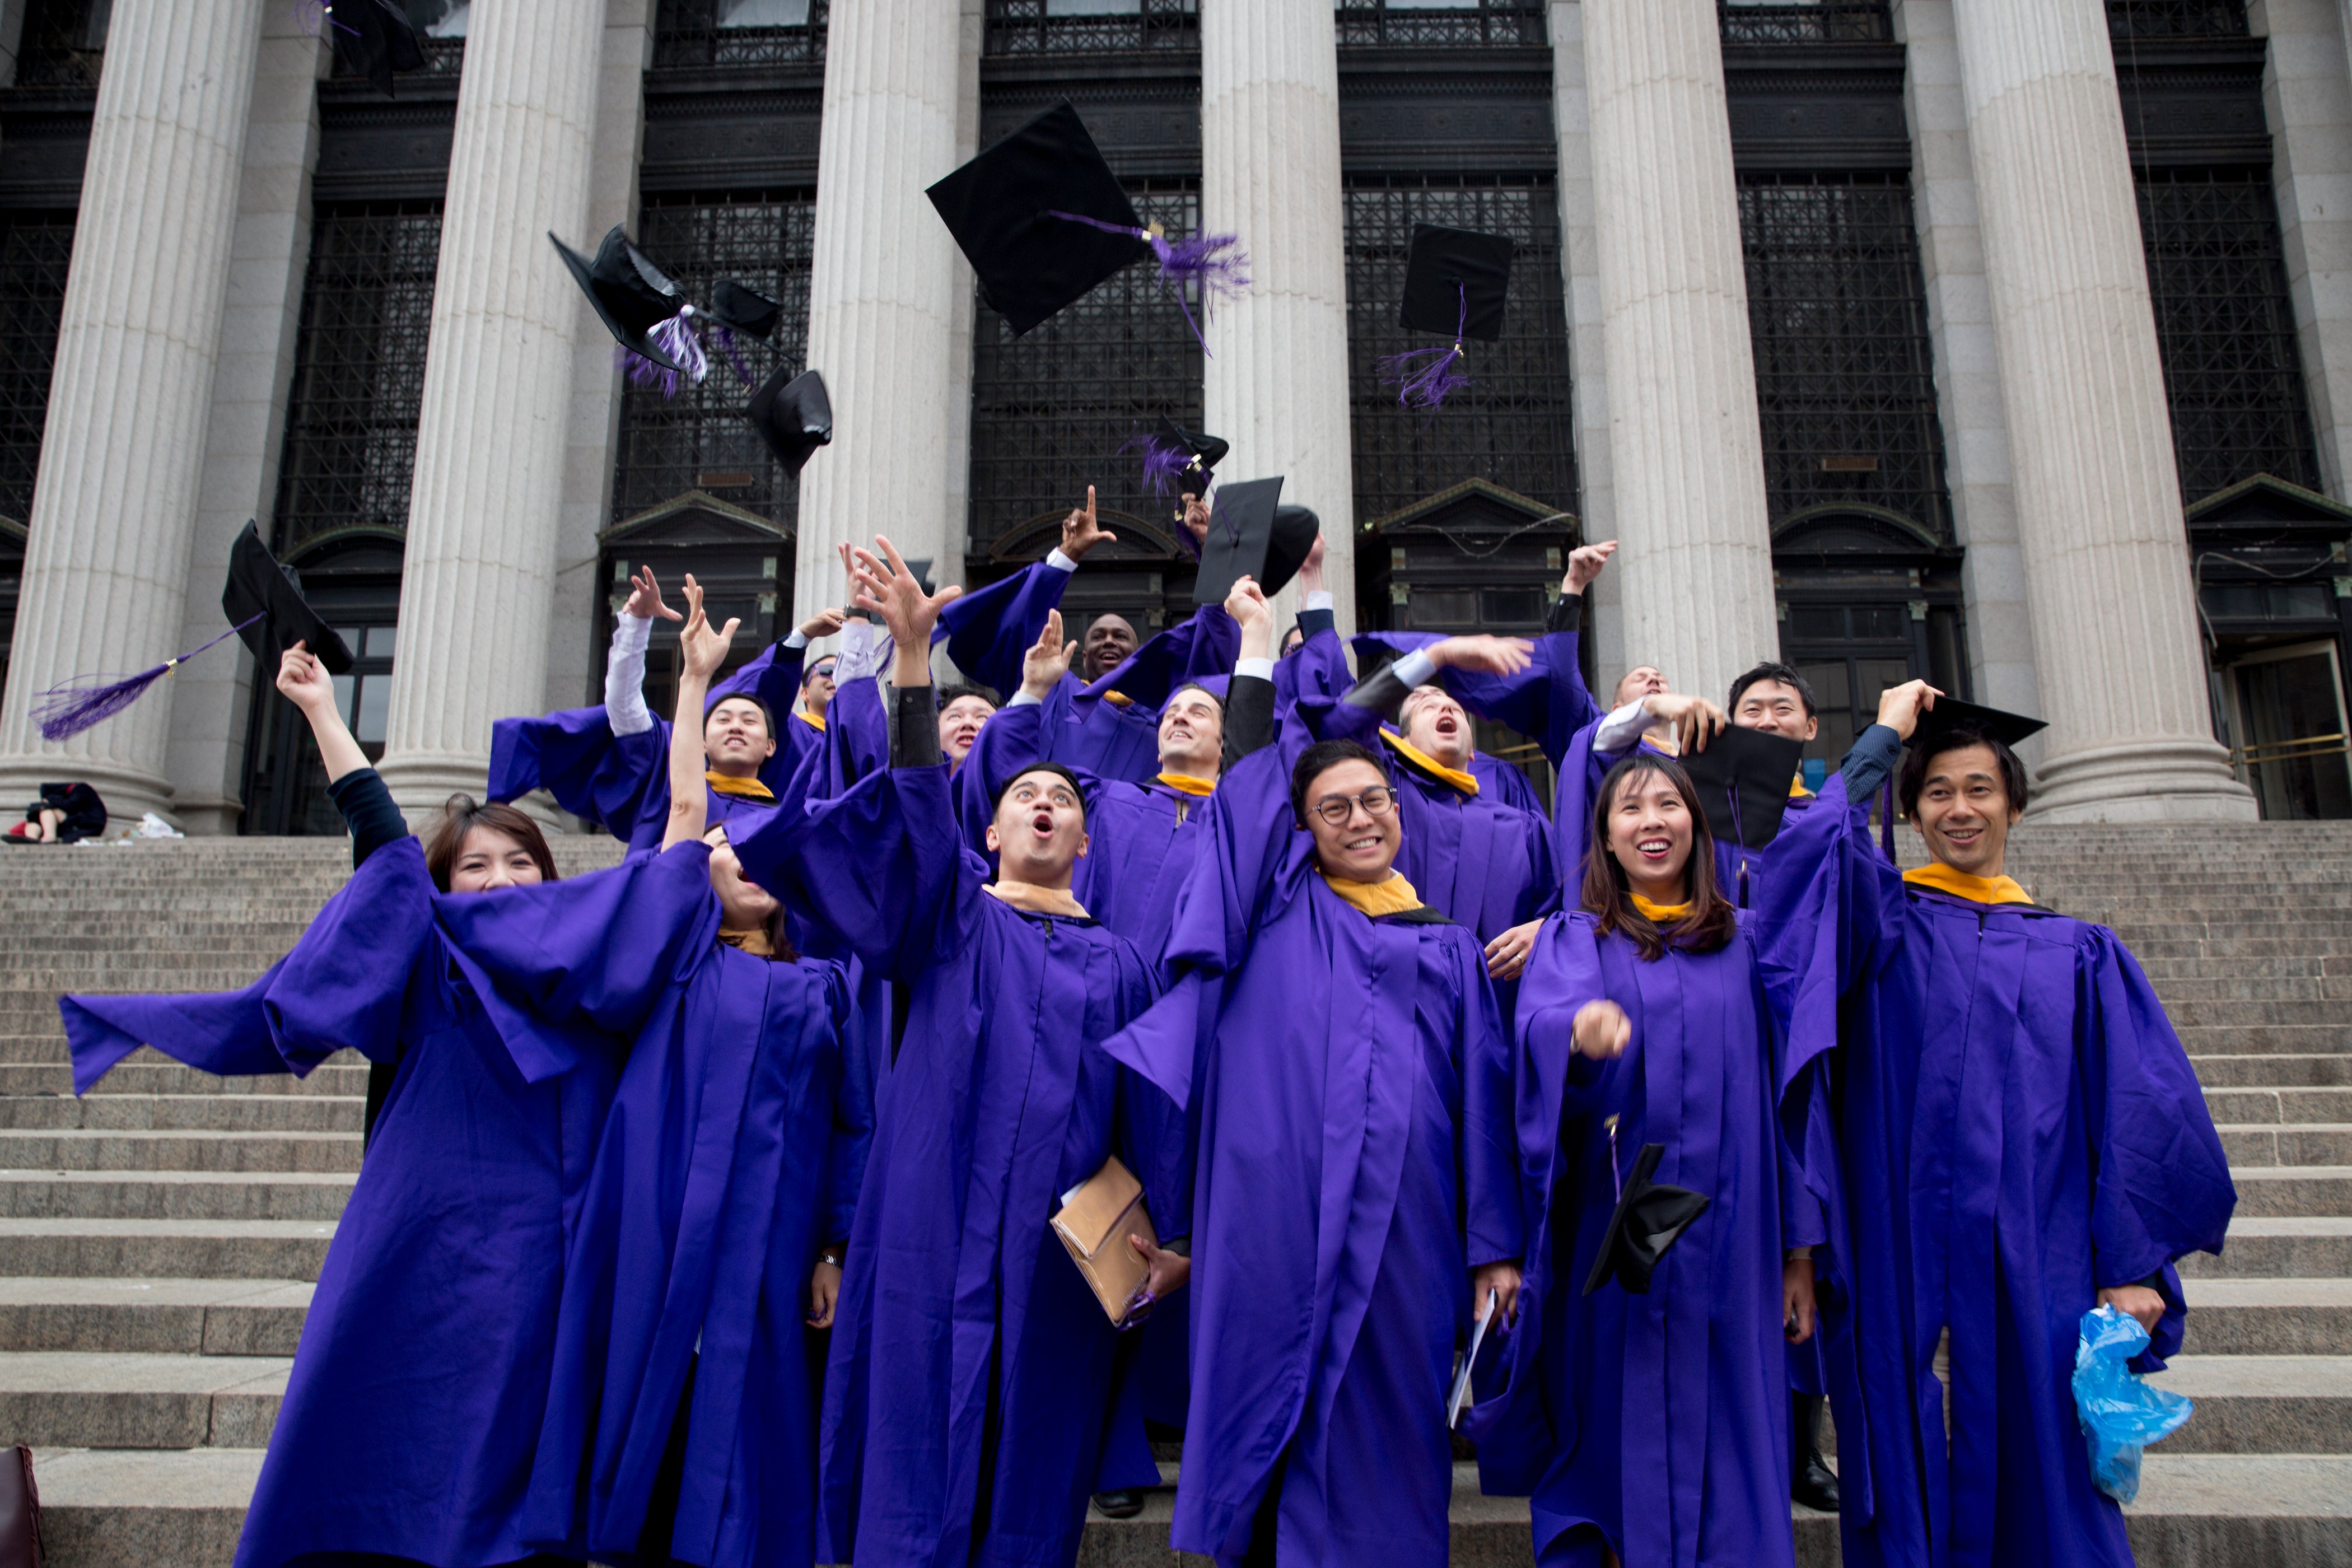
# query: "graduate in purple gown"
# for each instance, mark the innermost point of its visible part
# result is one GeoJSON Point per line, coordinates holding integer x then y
{"type": "Point", "coordinates": [1979, 1223]}
{"type": "Point", "coordinates": [682, 1426]}
{"type": "Point", "coordinates": [413, 1409]}
{"type": "Point", "coordinates": [971, 1362]}
{"type": "Point", "coordinates": [1338, 1046]}
{"type": "Point", "coordinates": [1105, 718]}
{"type": "Point", "coordinates": [610, 764]}
{"type": "Point", "coordinates": [1652, 1428]}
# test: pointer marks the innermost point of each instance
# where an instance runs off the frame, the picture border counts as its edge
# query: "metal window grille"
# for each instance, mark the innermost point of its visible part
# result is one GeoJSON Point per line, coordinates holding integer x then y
{"type": "Point", "coordinates": [1092, 26]}
{"type": "Point", "coordinates": [1464, 23]}
{"type": "Point", "coordinates": [63, 43]}
{"type": "Point", "coordinates": [739, 33]}
{"type": "Point", "coordinates": [699, 440]}
{"type": "Point", "coordinates": [2233, 366]}
{"type": "Point", "coordinates": [359, 370]}
{"type": "Point", "coordinates": [1051, 409]}
{"type": "Point", "coordinates": [1844, 371]}
{"type": "Point", "coordinates": [35, 251]}
{"type": "Point", "coordinates": [1822, 22]}
{"type": "Point", "coordinates": [441, 30]}
{"type": "Point", "coordinates": [2176, 19]}
{"type": "Point", "coordinates": [1515, 423]}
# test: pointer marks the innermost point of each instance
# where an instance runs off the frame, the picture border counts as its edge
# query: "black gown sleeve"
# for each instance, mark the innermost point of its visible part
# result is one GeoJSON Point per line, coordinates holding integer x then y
{"type": "Point", "coordinates": [1249, 717]}
{"type": "Point", "coordinates": [1566, 615]}
{"type": "Point", "coordinates": [367, 811]}
{"type": "Point", "coordinates": [915, 728]}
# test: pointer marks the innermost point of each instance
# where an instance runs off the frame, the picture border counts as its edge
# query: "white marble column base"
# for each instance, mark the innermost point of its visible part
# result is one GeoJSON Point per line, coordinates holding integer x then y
{"type": "Point", "coordinates": [2150, 781]}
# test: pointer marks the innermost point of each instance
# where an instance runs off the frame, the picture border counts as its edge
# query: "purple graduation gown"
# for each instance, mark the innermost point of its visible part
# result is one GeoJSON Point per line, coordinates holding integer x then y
{"type": "Point", "coordinates": [1997, 1175]}
{"type": "Point", "coordinates": [1085, 726]}
{"type": "Point", "coordinates": [730, 1153]}
{"type": "Point", "coordinates": [1351, 1095]}
{"type": "Point", "coordinates": [969, 1368]}
{"type": "Point", "coordinates": [1654, 1425]}
{"type": "Point", "coordinates": [414, 1411]}
{"type": "Point", "coordinates": [622, 782]}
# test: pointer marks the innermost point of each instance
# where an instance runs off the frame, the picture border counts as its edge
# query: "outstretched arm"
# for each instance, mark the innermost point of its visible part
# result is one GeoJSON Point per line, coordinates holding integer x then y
{"type": "Point", "coordinates": [354, 787]}
{"type": "Point", "coordinates": [704, 650]}
{"type": "Point", "coordinates": [1249, 698]}
{"type": "Point", "coordinates": [625, 664]}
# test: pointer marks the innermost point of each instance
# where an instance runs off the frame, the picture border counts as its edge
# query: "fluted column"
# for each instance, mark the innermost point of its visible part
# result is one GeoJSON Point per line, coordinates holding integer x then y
{"type": "Point", "coordinates": [2098, 501]}
{"type": "Point", "coordinates": [883, 281]}
{"type": "Point", "coordinates": [1275, 384]}
{"type": "Point", "coordinates": [1686, 450]}
{"type": "Point", "coordinates": [123, 450]}
{"type": "Point", "coordinates": [477, 588]}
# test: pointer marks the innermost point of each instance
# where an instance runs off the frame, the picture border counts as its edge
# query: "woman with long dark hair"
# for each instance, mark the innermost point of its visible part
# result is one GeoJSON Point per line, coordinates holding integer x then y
{"type": "Point", "coordinates": [412, 1416]}
{"type": "Point", "coordinates": [1652, 1428]}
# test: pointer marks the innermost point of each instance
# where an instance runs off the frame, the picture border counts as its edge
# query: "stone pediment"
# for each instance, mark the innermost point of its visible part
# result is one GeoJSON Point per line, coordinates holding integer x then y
{"type": "Point", "coordinates": [1855, 535]}
{"type": "Point", "coordinates": [697, 518]}
{"type": "Point", "coordinates": [2268, 508]}
{"type": "Point", "coordinates": [1142, 540]}
{"type": "Point", "coordinates": [1476, 506]}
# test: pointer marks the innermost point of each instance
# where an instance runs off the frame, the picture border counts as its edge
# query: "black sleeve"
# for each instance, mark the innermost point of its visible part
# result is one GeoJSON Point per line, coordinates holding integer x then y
{"type": "Point", "coordinates": [1566, 615]}
{"type": "Point", "coordinates": [1380, 692]}
{"type": "Point", "coordinates": [915, 728]}
{"type": "Point", "coordinates": [368, 810]}
{"type": "Point", "coordinates": [1249, 717]}
{"type": "Point", "coordinates": [1313, 621]}
{"type": "Point", "coordinates": [1873, 759]}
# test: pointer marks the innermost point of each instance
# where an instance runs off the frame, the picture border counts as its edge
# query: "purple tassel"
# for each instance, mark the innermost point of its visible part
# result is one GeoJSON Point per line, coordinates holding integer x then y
{"type": "Point", "coordinates": [1214, 261]}
{"type": "Point", "coordinates": [677, 339]}
{"type": "Point", "coordinates": [724, 336]}
{"type": "Point", "coordinates": [316, 16]}
{"type": "Point", "coordinates": [69, 707]}
{"type": "Point", "coordinates": [1428, 385]}
{"type": "Point", "coordinates": [1163, 464]}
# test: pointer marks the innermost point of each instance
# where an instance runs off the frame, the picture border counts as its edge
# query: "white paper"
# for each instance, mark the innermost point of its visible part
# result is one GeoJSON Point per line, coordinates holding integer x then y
{"type": "Point", "coordinates": [1461, 1393]}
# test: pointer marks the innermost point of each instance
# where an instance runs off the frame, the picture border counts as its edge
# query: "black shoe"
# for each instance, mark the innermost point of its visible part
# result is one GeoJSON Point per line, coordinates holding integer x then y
{"type": "Point", "coordinates": [1814, 1485]}
{"type": "Point", "coordinates": [1128, 1502]}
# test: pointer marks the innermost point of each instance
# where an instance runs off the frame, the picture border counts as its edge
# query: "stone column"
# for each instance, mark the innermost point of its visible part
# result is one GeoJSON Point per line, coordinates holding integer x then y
{"type": "Point", "coordinates": [477, 589]}
{"type": "Point", "coordinates": [2308, 97]}
{"type": "Point", "coordinates": [1687, 448]}
{"type": "Point", "coordinates": [1276, 383]}
{"type": "Point", "coordinates": [122, 451]}
{"type": "Point", "coordinates": [883, 283]}
{"type": "Point", "coordinates": [1967, 385]}
{"type": "Point", "coordinates": [2099, 499]}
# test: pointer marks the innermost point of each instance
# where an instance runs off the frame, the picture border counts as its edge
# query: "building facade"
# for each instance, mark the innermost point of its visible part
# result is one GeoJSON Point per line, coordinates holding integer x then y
{"type": "Point", "coordinates": [2006, 342]}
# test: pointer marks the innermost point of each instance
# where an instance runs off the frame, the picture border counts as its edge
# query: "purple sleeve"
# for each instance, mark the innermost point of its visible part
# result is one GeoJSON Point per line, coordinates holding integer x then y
{"type": "Point", "coordinates": [857, 736]}
{"type": "Point", "coordinates": [1492, 1195]}
{"type": "Point", "coordinates": [1202, 647]}
{"type": "Point", "coordinates": [853, 1123]}
{"type": "Point", "coordinates": [1553, 1084]}
{"type": "Point", "coordinates": [988, 633]}
{"type": "Point", "coordinates": [342, 985]}
{"type": "Point", "coordinates": [618, 781]}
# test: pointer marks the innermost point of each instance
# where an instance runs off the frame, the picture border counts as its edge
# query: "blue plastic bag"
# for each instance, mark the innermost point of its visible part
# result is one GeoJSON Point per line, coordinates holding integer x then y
{"type": "Point", "coordinates": [2121, 1413]}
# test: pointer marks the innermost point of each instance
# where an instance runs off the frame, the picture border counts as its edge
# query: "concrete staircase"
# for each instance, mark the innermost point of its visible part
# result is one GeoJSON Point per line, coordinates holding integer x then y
{"type": "Point", "coordinates": [158, 1239]}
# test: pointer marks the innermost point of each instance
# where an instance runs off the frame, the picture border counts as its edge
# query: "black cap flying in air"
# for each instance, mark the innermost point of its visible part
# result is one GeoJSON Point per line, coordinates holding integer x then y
{"type": "Point", "coordinates": [1651, 1216]}
{"type": "Point", "coordinates": [629, 292]}
{"type": "Point", "coordinates": [1456, 281]}
{"type": "Point", "coordinates": [743, 309]}
{"type": "Point", "coordinates": [1742, 778]}
{"type": "Point", "coordinates": [1000, 208]}
{"type": "Point", "coordinates": [1950, 716]}
{"type": "Point", "coordinates": [374, 39]}
{"type": "Point", "coordinates": [258, 585]}
{"type": "Point", "coordinates": [1253, 534]}
{"type": "Point", "coordinates": [793, 415]}
{"type": "Point", "coordinates": [1201, 453]}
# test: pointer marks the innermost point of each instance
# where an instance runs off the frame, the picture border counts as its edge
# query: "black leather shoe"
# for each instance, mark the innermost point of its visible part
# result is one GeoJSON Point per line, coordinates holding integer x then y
{"type": "Point", "coordinates": [1814, 1485]}
{"type": "Point", "coordinates": [1128, 1503]}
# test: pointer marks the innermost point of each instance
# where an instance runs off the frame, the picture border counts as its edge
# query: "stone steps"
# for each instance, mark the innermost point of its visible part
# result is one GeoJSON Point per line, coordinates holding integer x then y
{"type": "Point", "coordinates": [173, 1194]}
{"type": "Point", "coordinates": [2281, 1071]}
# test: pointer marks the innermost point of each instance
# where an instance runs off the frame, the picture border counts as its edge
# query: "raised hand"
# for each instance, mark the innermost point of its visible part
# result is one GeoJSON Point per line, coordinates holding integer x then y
{"type": "Point", "coordinates": [645, 598]}
{"type": "Point", "coordinates": [886, 587]}
{"type": "Point", "coordinates": [1195, 518]}
{"type": "Point", "coordinates": [823, 624]}
{"type": "Point", "coordinates": [703, 649]}
{"type": "Point", "coordinates": [1310, 575]}
{"type": "Point", "coordinates": [1696, 720]}
{"type": "Point", "coordinates": [1584, 563]}
{"type": "Point", "coordinates": [1602, 1030]}
{"type": "Point", "coordinates": [305, 680]}
{"type": "Point", "coordinates": [1080, 532]}
{"type": "Point", "coordinates": [1047, 661]}
{"type": "Point", "coordinates": [1495, 656]}
{"type": "Point", "coordinates": [1899, 707]}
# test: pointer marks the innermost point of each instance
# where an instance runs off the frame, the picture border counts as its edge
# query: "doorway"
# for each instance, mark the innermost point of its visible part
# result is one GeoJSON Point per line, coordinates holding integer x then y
{"type": "Point", "coordinates": [2287, 716]}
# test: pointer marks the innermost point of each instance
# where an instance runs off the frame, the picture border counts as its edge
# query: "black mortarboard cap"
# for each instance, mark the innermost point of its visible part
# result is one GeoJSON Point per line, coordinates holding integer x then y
{"type": "Point", "coordinates": [1456, 279]}
{"type": "Point", "coordinates": [1204, 454]}
{"type": "Point", "coordinates": [1751, 768]}
{"type": "Point", "coordinates": [1031, 265]}
{"type": "Point", "coordinates": [374, 39]}
{"type": "Point", "coordinates": [1253, 534]}
{"type": "Point", "coordinates": [793, 415]}
{"type": "Point", "coordinates": [744, 308]}
{"type": "Point", "coordinates": [1651, 1216]}
{"type": "Point", "coordinates": [629, 292]}
{"type": "Point", "coordinates": [258, 585]}
{"type": "Point", "coordinates": [1950, 714]}
{"type": "Point", "coordinates": [918, 567]}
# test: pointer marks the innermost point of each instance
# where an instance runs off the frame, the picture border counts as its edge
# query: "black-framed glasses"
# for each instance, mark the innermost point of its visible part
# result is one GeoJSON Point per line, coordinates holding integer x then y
{"type": "Point", "coordinates": [1377, 801]}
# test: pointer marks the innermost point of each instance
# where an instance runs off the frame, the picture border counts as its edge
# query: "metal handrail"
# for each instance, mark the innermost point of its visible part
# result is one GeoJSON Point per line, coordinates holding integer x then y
{"type": "Point", "coordinates": [2293, 751]}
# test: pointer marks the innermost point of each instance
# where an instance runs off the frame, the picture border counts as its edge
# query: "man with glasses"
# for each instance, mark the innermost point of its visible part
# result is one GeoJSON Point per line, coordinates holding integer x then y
{"type": "Point", "coordinates": [1355, 1155]}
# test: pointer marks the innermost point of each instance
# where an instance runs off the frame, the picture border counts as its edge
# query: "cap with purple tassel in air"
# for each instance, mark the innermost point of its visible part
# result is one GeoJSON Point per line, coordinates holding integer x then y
{"type": "Point", "coordinates": [264, 605]}
{"type": "Point", "coordinates": [1456, 282]}
{"type": "Point", "coordinates": [1177, 462]}
{"type": "Point", "coordinates": [655, 325]}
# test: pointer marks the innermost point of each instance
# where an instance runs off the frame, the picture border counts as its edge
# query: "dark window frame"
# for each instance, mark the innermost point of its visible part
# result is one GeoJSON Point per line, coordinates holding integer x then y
{"type": "Point", "coordinates": [1824, 21]}
{"type": "Point", "coordinates": [686, 35]}
{"type": "Point", "coordinates": [1489, 23]}
{"type": "Point", "coordinates": [2131, 19]}
{"type": "Point", "coordinates": [1024, 29]}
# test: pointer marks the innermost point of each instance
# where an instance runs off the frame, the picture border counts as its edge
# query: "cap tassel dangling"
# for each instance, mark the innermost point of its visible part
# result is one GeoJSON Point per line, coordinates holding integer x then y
{"type": "Point", "coordinates": [724, 336]}
{"type": "Point", "coordinates": [1214, 261]}
{"type": "Point", "coordinates": [69, 707]}
{"type": "Point", "coordinates": [675, 337]}
{"type": "Point", "coordinates": [1430, 384]}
